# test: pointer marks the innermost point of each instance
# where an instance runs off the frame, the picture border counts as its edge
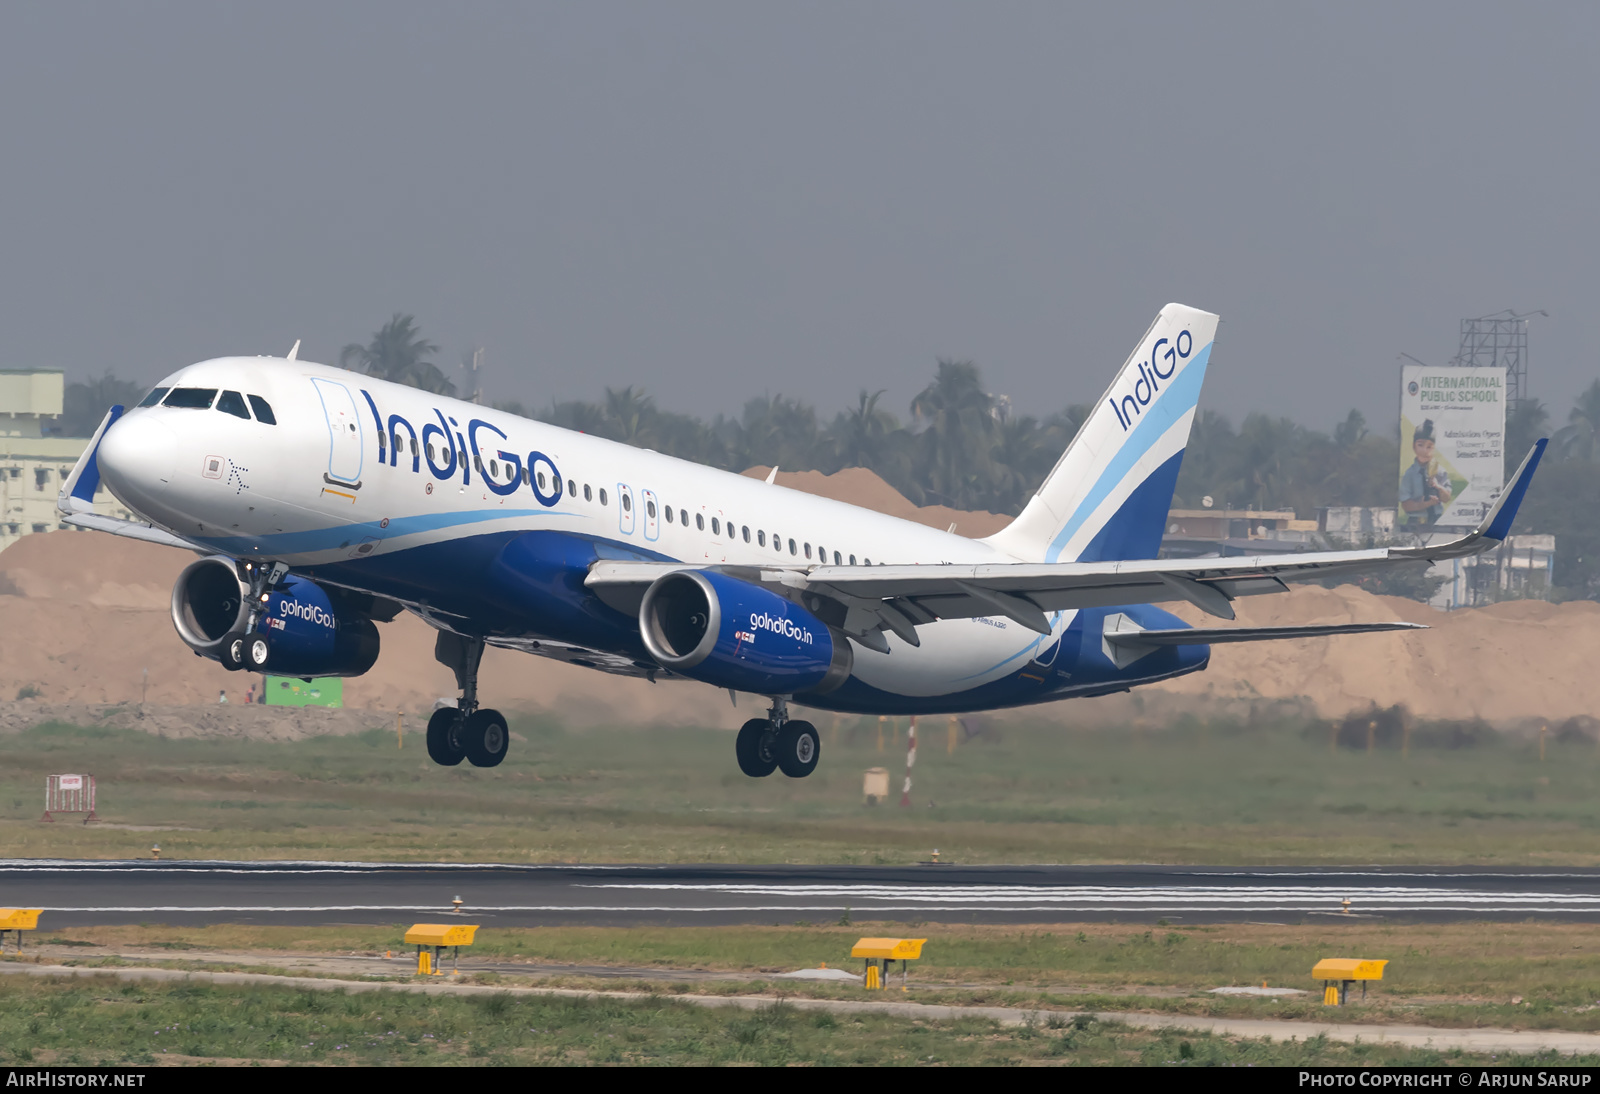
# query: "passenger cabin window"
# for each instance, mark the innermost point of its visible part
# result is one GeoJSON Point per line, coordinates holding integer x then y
{"type": "Point", "coordinates": [716, 527]}
{"type": "Point", "coordinates": [627, 504]}
{"type": "Point", "coordinates": [852, 560]}
{"type": "Point", "coordinates": [190, 398]}
{"type": "Point", "coordinates": [761, 538]}
{"type": "Point", "coordinates": [836, 558]}
{"type": "Point", "coordinates": [525, 479]}
{"type": "Point", "coordinates": [744, 530]}
{"type": "Point", "coordinates": [669, 514]}
{"type": "Point", "coordinates": [541, 480]}
{"type": "Point", "coordinates": [154, 397]}
{"type": "Point", "coordinates": [572, 487]}
{"type": "Point", "coordinates": [603, 496]}
{"type": "Point", "coordinates": [808, 550]}
{"type": "Point", "coordinates": [700, 521]}
{"type": "Point", "coordinates": [683, 517]}
{"type": "Point", "coordinates": [494, 469]}
{"type": "Point", "coordinates": [477, 462]}
{"type": "Point", "coordinates": [232, 402]}
{"type": "Point", "coordinates": [263, 410]}
{"type": "Point", "coordinates": [791, 547]}
{"type": "Point", "coordinates": [588, 495]}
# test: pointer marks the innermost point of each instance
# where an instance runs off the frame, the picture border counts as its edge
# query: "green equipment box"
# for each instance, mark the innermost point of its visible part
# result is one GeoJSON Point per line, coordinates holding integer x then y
{"type": "Point", "coordinates": [291, 691]}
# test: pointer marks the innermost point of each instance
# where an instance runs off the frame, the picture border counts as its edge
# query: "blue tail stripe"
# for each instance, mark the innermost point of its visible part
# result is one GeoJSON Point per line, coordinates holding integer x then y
{"type": "Point", "coordinates": [1180, 398]}
{"type": "Point", "coordinates": [1135, 529]}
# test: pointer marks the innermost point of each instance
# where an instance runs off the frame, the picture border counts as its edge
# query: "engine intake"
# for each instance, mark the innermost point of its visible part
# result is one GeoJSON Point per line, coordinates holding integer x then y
{"type": "Point", "coordinates": [308, 633]}
{"type": "Point", "coordinates": [734, 634]}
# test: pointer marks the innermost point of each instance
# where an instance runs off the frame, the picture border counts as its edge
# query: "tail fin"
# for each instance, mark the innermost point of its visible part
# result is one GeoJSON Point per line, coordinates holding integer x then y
{"type": "Point", "coordinates": [1108, 496]}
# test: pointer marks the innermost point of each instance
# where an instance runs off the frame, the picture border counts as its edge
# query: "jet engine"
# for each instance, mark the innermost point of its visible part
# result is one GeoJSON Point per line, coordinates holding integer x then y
{"type": "Point", "coordinates": [733, 634]}
{"type": "Point", "coordinates": [308, 633]}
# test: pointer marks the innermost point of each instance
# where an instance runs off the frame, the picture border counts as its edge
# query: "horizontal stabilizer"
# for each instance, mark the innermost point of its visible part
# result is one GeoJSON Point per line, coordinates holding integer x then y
{"type": "Point", "coordinates": [1124, 641]}
{"type": "Point", "coordinates": [1211, 636]}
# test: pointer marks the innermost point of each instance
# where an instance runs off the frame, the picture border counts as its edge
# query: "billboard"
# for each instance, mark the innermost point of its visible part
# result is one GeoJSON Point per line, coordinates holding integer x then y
{"type": "Point", "coordinates": [1452, 445]}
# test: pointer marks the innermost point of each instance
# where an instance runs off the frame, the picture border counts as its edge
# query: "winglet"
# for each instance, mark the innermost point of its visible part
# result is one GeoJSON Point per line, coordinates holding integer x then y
{"type": "Point", "coordinates": [77, 493]}
{"type": "Point", "coordinates": [772, 476]}
{"type": "Point", "coordinates": [294, 351]}
{"type": "Point", "coordinates": [1497, 524]}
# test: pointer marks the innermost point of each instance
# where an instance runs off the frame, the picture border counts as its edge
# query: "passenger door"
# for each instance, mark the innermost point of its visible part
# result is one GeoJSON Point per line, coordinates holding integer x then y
{"type": "Point", "coordinates": [345, 443]}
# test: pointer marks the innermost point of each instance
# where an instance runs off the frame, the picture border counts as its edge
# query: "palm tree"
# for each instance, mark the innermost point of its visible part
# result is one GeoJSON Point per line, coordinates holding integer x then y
{"type": "Point", "coordinates": [959, 429]}
{"type": "Point", "coordinates": [1527, 422]}
{"type": "Point", "coordinates": [1579, 439]}
{"type": "Point", "coordinates": [399, 353]}
{"type": "Point", "coordinates": [860, 435]}
{"type": "Point", "coordinates": [630, 413]}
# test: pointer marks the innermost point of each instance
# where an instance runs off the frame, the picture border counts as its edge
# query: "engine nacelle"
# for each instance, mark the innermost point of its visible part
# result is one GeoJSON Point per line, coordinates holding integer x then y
{"type": "Point", "coordinates": [306, 633]}
{"type": "Point", "coordinates": [733, 634]}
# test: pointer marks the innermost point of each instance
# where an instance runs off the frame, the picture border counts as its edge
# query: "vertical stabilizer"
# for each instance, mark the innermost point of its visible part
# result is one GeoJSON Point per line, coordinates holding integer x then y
{"type": "Point", "coordinates": [1108, 496]}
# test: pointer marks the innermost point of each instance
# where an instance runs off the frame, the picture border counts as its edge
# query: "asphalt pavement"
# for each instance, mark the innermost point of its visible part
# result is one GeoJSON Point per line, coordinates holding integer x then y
{"type": "Point", "coordinates": [189, 893]}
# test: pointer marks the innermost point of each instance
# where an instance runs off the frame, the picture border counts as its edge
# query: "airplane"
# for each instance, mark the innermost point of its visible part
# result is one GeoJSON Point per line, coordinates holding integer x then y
{"type": "Point", "coordinates": [323, 502]}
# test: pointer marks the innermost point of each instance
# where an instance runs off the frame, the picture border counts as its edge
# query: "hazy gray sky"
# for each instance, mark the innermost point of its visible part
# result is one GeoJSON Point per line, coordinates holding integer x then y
{"type": "Point", "coordinates": [715, 200]}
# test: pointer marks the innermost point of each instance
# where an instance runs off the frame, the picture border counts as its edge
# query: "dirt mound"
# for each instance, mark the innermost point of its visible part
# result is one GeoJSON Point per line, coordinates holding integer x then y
{"type": "Point", "coordinates": [858, 486]}
{"type": "Point", "coordinates": [1503, 663]}
{"type": "Point", "coordinates": [83, 620]}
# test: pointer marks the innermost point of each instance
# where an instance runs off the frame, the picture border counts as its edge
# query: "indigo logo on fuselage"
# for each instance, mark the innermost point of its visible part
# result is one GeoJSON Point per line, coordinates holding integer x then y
{"type": "Point", "coordinates": [1161, 365]}
{"type": "Point", "coordinates": [444, 455]}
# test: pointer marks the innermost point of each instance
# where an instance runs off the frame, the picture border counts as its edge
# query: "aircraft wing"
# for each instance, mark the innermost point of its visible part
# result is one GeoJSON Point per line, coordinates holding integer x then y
{"type": "Point", "coordinates": [899, 598]}
{"type": "Point", "coordinates": [132, 529]}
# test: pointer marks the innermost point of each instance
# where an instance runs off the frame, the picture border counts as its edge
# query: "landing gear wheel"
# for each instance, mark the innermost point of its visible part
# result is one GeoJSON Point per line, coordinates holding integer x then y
{"type": "Point", "coordinates": [256, 651]}
{"type": "Point", "coordinates": [797, 749]}
{"type": "Point", "coordinates": [754, 748]}
{"type": "Point", "coordinates": [233, 651]}
{"type": "Point", "coordinates": [445, 745]}
{"type": "Point", "coordinates": [486, 737]}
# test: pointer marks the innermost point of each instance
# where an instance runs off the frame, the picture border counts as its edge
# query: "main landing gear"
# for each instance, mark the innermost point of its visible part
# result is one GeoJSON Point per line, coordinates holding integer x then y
{"type": "Point", "coordinates": [778, 743]}
{"type": "Point", "coordinates": [464, 731]}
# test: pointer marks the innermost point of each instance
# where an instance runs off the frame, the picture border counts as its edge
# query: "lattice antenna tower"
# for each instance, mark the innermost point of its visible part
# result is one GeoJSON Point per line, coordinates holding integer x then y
{"type": "Point", "coordinates": [1499, 341]}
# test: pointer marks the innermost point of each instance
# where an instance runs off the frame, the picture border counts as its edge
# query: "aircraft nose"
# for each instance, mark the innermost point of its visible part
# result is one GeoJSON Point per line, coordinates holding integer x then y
{"type": "Point", "coordinates": [137, 456]}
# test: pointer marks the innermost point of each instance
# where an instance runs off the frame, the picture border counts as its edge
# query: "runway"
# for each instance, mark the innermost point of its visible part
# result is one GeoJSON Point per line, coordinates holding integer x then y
{"type": "Point", "coordinates": [78, 893]}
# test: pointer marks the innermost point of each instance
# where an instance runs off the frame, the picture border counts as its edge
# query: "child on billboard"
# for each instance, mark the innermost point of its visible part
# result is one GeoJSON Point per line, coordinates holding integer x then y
{"type": "Point", "coordinates": [1425, 487]}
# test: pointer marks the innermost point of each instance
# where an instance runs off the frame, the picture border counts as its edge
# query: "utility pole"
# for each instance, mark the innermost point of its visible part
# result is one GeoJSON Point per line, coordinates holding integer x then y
{"type": "Point", "coordinates": [472, 362]}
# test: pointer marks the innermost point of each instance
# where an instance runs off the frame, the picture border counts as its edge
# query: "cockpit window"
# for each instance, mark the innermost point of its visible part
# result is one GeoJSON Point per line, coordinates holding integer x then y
{"type": "Point", "coordinates": [233, 403]}
{"type": "Point", "coordinates": [263, 410]}
{"type": "Point", "coordinates": [154, 397]}
{"type": "Point", "coordinates": [191, 398]}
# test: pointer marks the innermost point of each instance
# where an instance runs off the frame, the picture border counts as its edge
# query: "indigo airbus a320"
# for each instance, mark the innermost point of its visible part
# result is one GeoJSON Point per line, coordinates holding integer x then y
{"type": "Point", "coordinates": [323, 502]}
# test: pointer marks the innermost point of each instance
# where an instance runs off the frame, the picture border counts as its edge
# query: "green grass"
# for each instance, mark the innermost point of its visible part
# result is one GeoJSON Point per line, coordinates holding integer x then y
{"type": "Point", "coordinates": [105, 1021]}
{"type": "Point", "coordinates": [1197, 792]}
{"type": "Point", "coordinates": [1535, 975]}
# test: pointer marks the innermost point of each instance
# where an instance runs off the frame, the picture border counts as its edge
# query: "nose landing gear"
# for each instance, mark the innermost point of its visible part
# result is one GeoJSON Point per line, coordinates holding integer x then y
{"type": "Point", "coordinates": [778, 742]}
{"type": "Point", "coordinates": [465, 731]}
{"type": "Point", "coordinates": [249, 648]}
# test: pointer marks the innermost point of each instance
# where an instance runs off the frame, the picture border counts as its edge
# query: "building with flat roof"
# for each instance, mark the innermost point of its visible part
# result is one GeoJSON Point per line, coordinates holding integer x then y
{"type": "Point", "coordinates": [33, 465]}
